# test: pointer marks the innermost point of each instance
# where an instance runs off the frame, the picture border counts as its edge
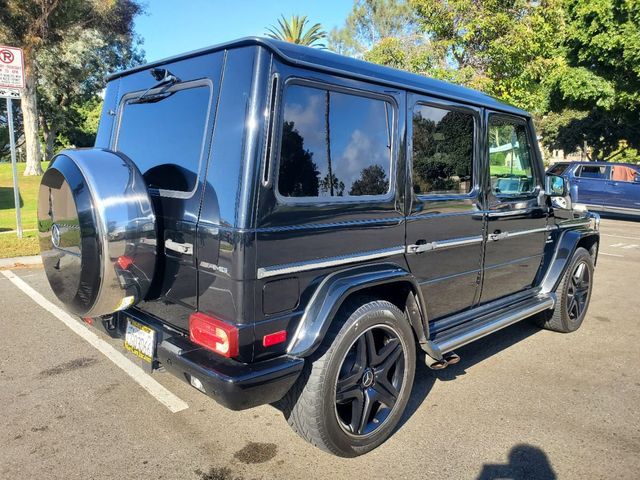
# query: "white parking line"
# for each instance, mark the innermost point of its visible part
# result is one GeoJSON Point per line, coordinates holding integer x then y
{"type": "Point", "coordinates": [619, 236]}
{"type": "Point", "coordinates": [164, 396]}
{"type": "Point", "coordinates": [610, 254]}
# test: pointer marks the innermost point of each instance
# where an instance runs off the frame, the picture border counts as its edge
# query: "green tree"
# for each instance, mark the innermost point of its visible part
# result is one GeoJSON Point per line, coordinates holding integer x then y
{"type": "Point", "coordinates": [72, 72]}
{"type": "Point", "coordinates": [295, 30]}
{"type": "Point", "coordinates": [506, 49]}
{"type": "Point", "coordinates": [371, 21]}
{"type": "Point", "coordinates": [595, 95]}
{"type": "Point", "coordinates": [36, 25]}
{"type": "Point", "coordinates": [373, 181]}
{"type": "Point", "coordinates": [82, 125]}
{"type": "Point", "coordinates": [298, 175]}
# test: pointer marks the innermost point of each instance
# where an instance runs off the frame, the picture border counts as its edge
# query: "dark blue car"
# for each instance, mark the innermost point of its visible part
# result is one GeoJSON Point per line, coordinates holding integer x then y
{"type": "Point", "coordinates": [603, 186]}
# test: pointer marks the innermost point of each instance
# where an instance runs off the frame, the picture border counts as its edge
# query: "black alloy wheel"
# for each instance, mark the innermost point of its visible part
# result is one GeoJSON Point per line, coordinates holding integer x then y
{"type": "Point", "coordinates": [573, 294]}
{"type": "Point", "coordinates": [369, 381]}
{"type": "Point", "coordinates": [578, 290]}
{"type": "Point", "coordinates": [353, 391]}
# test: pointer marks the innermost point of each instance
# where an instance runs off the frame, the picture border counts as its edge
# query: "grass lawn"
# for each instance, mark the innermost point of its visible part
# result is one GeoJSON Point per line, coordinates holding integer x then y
{"type": "Point", "coordinates": [10, 246]}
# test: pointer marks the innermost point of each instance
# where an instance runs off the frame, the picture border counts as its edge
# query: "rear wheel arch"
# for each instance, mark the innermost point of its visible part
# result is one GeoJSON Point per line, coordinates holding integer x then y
{"type": "Point", "coordinates": [342, 290]}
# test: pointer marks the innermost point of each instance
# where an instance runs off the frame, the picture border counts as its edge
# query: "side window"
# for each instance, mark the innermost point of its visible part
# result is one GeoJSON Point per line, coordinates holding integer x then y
{"type": "Point", "coordinates": [595, 171]}
{"type": "Point", "coordinates": [442, 150]}
{"type": "Point", "coordinates": [334, 144]}
{"type": "Point", "coordinates": [510, 163]}
{"type": "Point", "coordinates": [165, 137]}
{"type": "Point", "coordinates": [622, 173]}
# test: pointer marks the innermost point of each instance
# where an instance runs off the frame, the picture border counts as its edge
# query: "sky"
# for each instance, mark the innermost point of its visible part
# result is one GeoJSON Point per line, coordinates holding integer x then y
{"type": "Point", "coordinates": [178, 26]}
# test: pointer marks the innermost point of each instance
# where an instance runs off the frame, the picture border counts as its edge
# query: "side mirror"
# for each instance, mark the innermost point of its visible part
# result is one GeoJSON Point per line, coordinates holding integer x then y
{"type": "Point", "coordinates": [558, 190]}
{"type": "Point", "coordinates": [636, 179]}
{"type": "Point", "coordinates": [556, 186]}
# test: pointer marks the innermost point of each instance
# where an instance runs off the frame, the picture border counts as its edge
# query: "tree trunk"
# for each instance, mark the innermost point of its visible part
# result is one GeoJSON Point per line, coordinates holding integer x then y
{"type": "Point", "coordinates": [30, 118]}
{"type": "Point", "coordinates": [49, 142]}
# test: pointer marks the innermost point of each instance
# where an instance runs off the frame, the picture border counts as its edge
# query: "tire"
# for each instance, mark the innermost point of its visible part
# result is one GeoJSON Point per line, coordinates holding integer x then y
{"type": "Point", "coordinates": [312, 406]}
{"type": "Point", "coordinates": [571, 306]}
{"type": "Point", "coordinates": [97, 231]}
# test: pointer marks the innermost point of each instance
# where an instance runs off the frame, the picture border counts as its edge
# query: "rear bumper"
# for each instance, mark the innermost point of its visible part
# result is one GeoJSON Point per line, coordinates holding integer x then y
{"type": "Point", "coordinates": [233, 384]}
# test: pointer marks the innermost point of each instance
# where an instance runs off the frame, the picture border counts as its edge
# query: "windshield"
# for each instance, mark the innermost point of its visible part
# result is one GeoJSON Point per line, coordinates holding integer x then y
{"type": "Point", "coordinates": [558, 169]}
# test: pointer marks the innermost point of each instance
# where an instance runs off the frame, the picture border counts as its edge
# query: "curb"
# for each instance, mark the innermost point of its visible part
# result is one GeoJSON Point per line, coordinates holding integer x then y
{"type": "Point", "coordinates": [33, 260]}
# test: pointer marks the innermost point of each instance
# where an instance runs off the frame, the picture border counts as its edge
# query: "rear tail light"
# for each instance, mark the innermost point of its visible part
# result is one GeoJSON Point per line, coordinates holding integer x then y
{"type": "Point", "coordinates": [214, 334]}
{"type": "Point", "coordinates": [124, 262]}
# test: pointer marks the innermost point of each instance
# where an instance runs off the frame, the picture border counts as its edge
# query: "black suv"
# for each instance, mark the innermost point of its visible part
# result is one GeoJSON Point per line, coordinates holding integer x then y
{"type": "Point", "coordinates": [279, 224]}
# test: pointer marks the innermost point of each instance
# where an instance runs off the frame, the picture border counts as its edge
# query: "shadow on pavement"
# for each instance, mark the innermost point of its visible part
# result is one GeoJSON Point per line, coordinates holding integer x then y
{"type": "Point", "coordinates": [525, 462]}
{"type": "Point", "coordinates": [470, 355]}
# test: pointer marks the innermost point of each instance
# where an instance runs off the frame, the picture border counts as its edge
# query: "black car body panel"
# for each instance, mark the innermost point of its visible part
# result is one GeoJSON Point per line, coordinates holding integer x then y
{"type": "Point", "coordinates": [237, 242]}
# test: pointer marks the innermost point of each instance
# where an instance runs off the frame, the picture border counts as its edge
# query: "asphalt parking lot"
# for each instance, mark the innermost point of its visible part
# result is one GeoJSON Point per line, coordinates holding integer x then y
{"type": "Point", "coordinates": [522, 403]}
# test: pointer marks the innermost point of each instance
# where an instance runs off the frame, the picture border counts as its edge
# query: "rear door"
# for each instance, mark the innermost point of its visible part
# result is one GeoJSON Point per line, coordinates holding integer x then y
{"type": "Point", "coordinates": [445, 220]}
{"type": "Point", "coordinates": [623, 191]}
{"type": "Point", "coordinates": [517, 211]}
{"type": "Point", "coordinates": [167, 133]}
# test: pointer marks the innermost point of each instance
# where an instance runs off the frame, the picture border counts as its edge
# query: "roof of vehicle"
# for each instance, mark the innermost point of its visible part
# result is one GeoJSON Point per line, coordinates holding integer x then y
{"type": "Point", "coordinates": [329, 62]}
{"type": "Point", "coordinates": [596, 164]}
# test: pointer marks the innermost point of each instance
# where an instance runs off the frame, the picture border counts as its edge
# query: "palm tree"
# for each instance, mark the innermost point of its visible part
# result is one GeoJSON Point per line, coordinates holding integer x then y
{"type": "Point", "coordinates": [293, 31]}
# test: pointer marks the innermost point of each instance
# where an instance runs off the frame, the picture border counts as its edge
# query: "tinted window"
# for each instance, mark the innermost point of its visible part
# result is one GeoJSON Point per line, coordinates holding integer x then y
{"type": "Point", "coordinates": [442, 150]}
{"type": "Point", "coordinates": [558, 169]}
{"type": "Point", "coordinates": [510, 164]}
{"type": "Point", "coordinates": [334, 144]}
{"type": "Point", "coordinates": [593, 172]}
{"type": "Point", "coordinates": [164, 138]}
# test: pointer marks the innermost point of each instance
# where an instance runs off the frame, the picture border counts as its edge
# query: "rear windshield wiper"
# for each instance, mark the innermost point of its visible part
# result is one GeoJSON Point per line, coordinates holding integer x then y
{"type": "Point", "coordinates": [165, 79]}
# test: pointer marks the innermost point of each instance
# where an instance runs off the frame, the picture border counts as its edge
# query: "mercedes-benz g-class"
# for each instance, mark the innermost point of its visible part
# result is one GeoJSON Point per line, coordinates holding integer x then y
{"type": "Point", "coordinates": [279, 224]}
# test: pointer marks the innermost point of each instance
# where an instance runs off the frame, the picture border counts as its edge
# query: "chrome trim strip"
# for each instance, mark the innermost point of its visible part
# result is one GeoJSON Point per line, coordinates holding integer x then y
{"type": "Point", "coordinates": [494, 237]}
{"type": "Point", "coordinates": [283, 269]}
{"type": "Point", "coordinates": [442, 244]}
{"type": "Point", "coordinates": [578, 222]}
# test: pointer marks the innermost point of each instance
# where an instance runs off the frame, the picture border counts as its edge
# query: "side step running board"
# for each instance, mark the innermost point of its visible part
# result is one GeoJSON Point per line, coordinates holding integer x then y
{"type": "Point", "coordinates": [460, 335]}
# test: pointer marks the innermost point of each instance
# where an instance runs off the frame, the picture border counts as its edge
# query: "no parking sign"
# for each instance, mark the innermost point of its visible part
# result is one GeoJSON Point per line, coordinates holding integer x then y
{"type": "Point", "coordinates": [11, 71]}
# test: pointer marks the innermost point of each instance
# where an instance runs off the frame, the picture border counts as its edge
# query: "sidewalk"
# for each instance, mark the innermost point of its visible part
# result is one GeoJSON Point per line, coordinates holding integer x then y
{"type": "Point", "coordinates": [32, 260]}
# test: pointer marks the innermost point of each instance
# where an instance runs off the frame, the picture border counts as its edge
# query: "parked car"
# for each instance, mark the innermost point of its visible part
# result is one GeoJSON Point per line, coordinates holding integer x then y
{"type": "Point", "coordinates": [278, 224]}
{"type": "Point", "coordinates": [603, 186]}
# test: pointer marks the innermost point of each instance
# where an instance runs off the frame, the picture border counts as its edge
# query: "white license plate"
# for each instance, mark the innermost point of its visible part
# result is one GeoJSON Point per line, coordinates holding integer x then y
{"type": "Point", "coordinates": [140, 340]}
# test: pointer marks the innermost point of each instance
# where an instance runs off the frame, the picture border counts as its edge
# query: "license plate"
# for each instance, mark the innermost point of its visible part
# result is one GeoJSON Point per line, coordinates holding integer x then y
{"type": "Point", "coordinates": [140, 340]}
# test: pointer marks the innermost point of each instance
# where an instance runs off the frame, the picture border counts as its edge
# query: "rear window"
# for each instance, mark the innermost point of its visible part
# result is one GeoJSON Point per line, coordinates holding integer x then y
{"type": "Point", "coordinates": [165, 138]}
{"type": "Point", "coordinates": [558, 169]}
{"type": "Point", "coordinates": [622, 173]}
{"type": "Point", "coordinates": [334, 144]}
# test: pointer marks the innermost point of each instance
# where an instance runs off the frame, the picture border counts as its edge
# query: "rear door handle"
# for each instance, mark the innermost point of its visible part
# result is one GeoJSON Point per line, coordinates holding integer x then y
{"type": "Point", "coordinates": [184, 248]}
{"type": "Point", "coordinates": [498, 235]}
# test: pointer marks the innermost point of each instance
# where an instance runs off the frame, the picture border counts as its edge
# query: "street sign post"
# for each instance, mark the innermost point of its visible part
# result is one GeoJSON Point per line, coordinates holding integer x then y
{"type": "Point", "coordinates": [11, 83]}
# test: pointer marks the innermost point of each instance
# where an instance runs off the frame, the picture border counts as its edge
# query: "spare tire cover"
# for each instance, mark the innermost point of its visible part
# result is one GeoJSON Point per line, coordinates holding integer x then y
{"type": "Point", "coordinates": [97, 231]}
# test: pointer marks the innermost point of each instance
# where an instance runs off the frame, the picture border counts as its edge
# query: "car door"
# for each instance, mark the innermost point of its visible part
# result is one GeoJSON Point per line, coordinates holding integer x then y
{"type": "Point", "coordinates": [590, 184]}
{"type": "Point", "coordinates": [623, 187]}
{"type": "Point", "coordinates": [516, 208]}
{"type": "Point", "coordinates": [444, 227]}
{"type": "Point", "coordinates": [167, 134]}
